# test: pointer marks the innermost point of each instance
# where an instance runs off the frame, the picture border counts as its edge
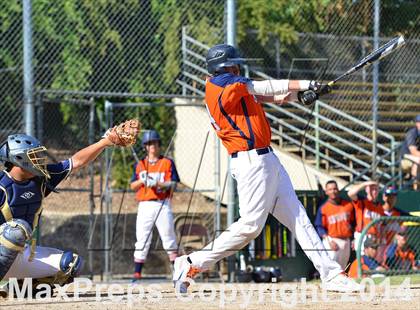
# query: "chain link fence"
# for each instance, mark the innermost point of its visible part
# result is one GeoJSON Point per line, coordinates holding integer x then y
{"type": "Point", "coordinates": [97, 203]}
{"type": "Point", "coordinates": [345, 35]}
{"type": "Point", "coordinates": [394, 250]}
{"type": "Point", "coordinates": [109, 46]}
{"type": "Point", "coordinates": [85, 53]}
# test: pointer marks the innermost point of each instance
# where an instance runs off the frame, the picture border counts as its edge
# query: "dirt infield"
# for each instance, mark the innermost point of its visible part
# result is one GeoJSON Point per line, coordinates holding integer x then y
{"type": "Point", "coordinates": [159, 294]}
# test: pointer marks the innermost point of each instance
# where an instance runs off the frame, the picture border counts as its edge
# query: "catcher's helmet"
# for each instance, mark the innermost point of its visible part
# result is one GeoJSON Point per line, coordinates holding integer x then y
{"type": "Point", "coordinates": [150, 135]}
{"type": "Point", "coordinates": [25, 152]}
{"type": "Point", "coordinates": [221, 56]}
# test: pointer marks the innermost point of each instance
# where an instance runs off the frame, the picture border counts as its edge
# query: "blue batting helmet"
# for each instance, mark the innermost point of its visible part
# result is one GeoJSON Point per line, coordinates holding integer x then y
{"type": "Point", "coordinates": [221, 56]}
{"type": "Point", "coordinates": [25, 152]}
{"type": "Point", "coordinates": [150, 135]}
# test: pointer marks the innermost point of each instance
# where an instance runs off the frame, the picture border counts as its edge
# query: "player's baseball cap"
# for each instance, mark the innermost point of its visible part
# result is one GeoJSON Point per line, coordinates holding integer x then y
{"type": "Point", "coordinates": [402, 231]}
{"type": "Point", "coordinates": [418, 118]}
{"type": "Point", "coordinates": [371, 243]}
{"type": "Point", "coordinates": [391, 191]}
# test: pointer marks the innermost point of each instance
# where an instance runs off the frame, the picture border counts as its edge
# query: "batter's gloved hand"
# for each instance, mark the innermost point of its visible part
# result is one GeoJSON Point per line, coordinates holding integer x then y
{"type": "Point", "coordinates": [318, 88]}
{"type": "Point", "coordinates": [143, 176]}
{"type": "Point", "coordinates": [307, 97]}
{"type": "Point", "coordinates": [315, 86]}
{"type": "Point", "coordinates": [125, 134]}
{"type": "Point", "coordinates": [150, 182]}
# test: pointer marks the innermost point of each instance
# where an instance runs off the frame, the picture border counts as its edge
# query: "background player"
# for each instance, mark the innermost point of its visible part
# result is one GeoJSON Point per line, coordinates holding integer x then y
{"type": "Point", "coordinates": [368, 259]}
{"type": "Point", "coordinates": [27, 180]}
{"type": "Point", "coordinates": [334, 223]}
{"type": "Point", "coordinates": [399, 255]}
{"type": "Point", "coordinates": [263, 184]}
{"type": "Point", "coordinates": [154, 179]}
{"type": "Point", "coordinates": [366, 209]}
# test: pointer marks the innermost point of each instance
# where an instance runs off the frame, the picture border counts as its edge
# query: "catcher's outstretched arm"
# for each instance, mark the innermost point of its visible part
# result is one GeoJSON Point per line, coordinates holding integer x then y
{"type": "Point", "coordinates": [125, 134]}
{"type": "Point", "coordinates": [83, 157]}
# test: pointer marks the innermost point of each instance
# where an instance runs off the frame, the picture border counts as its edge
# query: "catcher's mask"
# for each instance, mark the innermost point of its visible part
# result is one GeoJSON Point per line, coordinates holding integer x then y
{"type": "Point", "coordinates": [149, 136]}
{"type": "Point", "coordinates": [222, 56]}
{"type": "Point", "coordinates": [25, 152]}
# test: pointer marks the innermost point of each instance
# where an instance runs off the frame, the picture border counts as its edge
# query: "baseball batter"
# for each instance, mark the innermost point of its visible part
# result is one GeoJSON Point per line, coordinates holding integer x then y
{"type": "Point", "coordinates": [233, 104]}
{"type": "Point", "coordinates": [26, 181]}
{"type": "Point", "coordinates": [334, 223]}
{"type": "Point", "coordinates": [154, 180]}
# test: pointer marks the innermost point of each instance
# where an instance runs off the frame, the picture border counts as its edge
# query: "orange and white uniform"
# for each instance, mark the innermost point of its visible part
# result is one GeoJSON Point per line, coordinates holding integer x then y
{"type": "Point", "coordinates": [366, 212]}
{"type": "Point", "coordinates": [335, 222]}
{"type": "Point", "coordinates": [262, 182]}
{"type": "Point", "coordinates": [154, 207]}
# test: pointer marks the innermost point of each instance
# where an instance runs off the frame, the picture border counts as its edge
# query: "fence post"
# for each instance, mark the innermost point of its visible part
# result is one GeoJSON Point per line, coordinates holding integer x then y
{"type": "Point", "coordinates": [184, 55]}
{"type": "Point", "coordinates": [28, 76]}
{"type": "Point", "coordinates": [231, 39]}
{"type": "Point", "coordinates": [108, 197]}
{"type": "Point", "coordinates": [393, 159]}
{"type": "Point", "coordinates": [91, 183]}
{"type": "Point", "coordinates": [375, 88]}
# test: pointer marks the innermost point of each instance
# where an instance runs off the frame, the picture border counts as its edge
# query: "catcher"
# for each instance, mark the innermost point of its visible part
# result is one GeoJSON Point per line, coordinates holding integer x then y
{"type": "Point", "coordinates": [27, 179]}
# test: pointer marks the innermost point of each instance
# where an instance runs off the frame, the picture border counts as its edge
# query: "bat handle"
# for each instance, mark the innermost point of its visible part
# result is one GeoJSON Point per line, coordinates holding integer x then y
{"type": "Point", "coordinates": [325, 89]}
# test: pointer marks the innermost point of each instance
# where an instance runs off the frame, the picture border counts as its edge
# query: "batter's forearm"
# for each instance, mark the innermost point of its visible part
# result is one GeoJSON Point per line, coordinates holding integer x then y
{"type": "Point", "coordinates": [88, 154]}
{"type": "Point", "coordinates": [269, 88]}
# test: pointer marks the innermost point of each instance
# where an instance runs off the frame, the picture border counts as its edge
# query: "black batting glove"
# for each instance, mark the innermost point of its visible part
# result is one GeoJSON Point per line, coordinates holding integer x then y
{"type": "Point", "coordinates": [315, 86]}
{"type": "Point", "coordinates": [307, 97]}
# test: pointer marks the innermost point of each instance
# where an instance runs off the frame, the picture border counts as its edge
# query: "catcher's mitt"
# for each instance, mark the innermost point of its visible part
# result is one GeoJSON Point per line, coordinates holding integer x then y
{"type": "Point", "coordinates": [125, 134]}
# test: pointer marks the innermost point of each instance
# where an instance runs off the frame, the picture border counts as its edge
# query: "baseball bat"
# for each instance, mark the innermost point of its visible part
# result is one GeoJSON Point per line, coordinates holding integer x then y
{"type": "Point", "coordinates": [377, 54]}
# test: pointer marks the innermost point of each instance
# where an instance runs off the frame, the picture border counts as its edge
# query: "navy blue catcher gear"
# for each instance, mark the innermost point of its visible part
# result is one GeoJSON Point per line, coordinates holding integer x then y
{"type": "Point", "coordinates": [150, 135]}
{"type": "Point", "coordinates": [71, 264]}
{"type": "Point", "coordinates": [222, 56]}
{"type": "Point", "coordinates": [13, 236]}
{"type": "Point", "coordinates": [25, 152]}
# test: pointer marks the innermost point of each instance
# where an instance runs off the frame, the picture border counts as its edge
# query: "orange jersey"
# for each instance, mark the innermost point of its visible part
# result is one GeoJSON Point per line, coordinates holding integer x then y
{"type": "Point", "coordinates": [368, 263]}
{"type": "Point", "coordinates": [398, 258]}
{"type": "Point", "coordinates": [163, 170]}
{"type": "Point", "coordinates": [391, 228]}
{"type": "Point", "coordinates": [366, 212]}
{"type": "Point", "coordinates": [239, 120]}
{"type": "Point", "coordinates": [338, 220]}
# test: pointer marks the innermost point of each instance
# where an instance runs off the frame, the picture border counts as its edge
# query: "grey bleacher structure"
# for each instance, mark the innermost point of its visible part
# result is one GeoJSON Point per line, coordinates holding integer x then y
{"type": "Point", "coordinates": [338, 139]}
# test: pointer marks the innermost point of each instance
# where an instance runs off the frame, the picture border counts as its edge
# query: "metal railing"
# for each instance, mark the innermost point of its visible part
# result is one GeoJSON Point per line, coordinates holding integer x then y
{"type": "Point", "coordinates": [324, 145]}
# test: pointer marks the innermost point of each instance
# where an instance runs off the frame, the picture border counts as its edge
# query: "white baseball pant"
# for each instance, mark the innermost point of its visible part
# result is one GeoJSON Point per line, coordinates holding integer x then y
{"type": "Point", "coordinates": [264, 187]}
{"type": "Point", "coordinates": [342, 255]}
{"type": "Point", "coordinates": [150, 213]}
{"type": "Point", "coordinates": [46, 263]}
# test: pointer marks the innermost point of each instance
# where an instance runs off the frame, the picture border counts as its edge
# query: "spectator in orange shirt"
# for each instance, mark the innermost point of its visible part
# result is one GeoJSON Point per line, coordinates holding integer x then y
{"type": "Point", "coordinates": [366, 209]}
{"type": "Point", "coordinates": [334, 223]}
{"type": "Point", "coordinates": [399, 255]}
{"type": "Point", "coordinates": [368, 259]}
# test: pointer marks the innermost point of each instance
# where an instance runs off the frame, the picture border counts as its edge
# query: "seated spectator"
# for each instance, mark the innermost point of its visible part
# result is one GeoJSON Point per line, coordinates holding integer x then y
{"type": "Point", "coordinates": [368, 259]}
{"type": "Point", "coordinates": [410, 153]}
{"type": "Point", "coordinates": [334, 223]}
{"type": "Point", "coordinates": [399, 255]}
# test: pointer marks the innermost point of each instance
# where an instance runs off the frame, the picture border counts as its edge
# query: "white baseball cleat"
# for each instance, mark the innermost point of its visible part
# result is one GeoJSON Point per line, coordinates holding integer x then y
{"type": "Point", "coordinates": [184, 272]}
{"type": "Point", "coordinates": [341, 283]}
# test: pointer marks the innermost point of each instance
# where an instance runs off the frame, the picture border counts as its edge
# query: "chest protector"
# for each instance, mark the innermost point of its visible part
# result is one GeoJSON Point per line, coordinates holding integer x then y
{"type": "Point", "coordinates": [23, 200]}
